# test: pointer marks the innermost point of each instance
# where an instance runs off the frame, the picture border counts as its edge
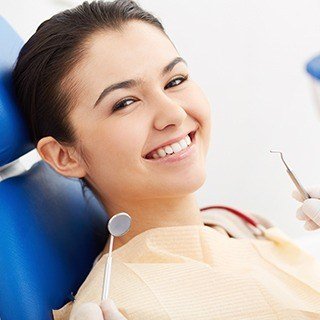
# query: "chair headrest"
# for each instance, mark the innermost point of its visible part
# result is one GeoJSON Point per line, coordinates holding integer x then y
{"type": "Point", "coordinates": [14, 137]}
{"type": "Point", "coordinates": [313, 67]}
{"type": "Point", "coordinates": [50, 235]}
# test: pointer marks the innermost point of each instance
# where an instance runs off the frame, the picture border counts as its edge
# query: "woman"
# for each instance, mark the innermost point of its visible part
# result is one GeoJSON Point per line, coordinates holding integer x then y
{"type": "Point", "coordinates": [109, 100]}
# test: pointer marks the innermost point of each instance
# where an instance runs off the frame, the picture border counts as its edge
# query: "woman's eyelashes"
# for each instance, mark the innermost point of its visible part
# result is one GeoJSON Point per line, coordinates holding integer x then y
{"type": "Point", "coordinates": [122, 104]}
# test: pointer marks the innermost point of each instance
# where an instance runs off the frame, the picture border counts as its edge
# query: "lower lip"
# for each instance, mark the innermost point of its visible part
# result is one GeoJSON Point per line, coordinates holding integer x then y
{"type": "Point", "coordinates": [176, 157]}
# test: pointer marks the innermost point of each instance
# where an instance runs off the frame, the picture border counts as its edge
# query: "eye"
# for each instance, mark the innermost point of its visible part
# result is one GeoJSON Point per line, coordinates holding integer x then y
{"type": "Point", "coordinates": [123, 103]}
{"type": "Point", "coordinates": [181, 79]}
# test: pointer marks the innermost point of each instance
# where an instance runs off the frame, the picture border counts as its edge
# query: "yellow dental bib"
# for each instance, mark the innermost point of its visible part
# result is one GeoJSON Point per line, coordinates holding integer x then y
{"type": "Point", "coordinates": [197, 272]}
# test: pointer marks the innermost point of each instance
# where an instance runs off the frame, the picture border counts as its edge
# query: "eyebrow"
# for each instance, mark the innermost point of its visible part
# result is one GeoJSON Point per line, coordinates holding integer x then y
{"type": "Point", "coordinates": [136, 82]}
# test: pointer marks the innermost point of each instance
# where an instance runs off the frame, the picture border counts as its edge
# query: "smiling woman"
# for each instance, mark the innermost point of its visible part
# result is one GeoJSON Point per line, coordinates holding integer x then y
{"type": "Point", "coordinates": [84, 74]}
{"type": "Point", "coordinates": [109, 100]}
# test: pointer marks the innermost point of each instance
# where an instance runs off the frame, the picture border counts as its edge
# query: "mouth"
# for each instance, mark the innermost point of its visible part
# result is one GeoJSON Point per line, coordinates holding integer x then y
{"type": "Point", "coordinates": [191, 135]}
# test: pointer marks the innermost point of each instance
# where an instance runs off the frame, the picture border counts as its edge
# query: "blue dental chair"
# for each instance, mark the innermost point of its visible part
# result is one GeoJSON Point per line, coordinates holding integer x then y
{"type": "Point", "coordinates": [313, 67]}
{"type": "Point", "coordinates": [50, 231]}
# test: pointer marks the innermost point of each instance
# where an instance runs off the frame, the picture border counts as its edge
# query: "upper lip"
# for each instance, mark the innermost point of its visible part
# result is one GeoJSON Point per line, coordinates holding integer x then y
{"type": "Point", "coordinates": [170, 142]}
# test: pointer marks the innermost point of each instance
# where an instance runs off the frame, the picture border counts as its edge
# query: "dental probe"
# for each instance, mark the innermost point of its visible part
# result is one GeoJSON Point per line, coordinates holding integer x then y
{"type": "Point", "coordinates": [299, 186]}
{"type": "Point", "coordinates": [118, 225]}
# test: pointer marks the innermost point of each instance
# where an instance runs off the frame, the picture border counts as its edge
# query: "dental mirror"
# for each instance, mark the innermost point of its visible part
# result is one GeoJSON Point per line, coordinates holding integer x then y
{"type": "Point", "coordinates": [118, 225]}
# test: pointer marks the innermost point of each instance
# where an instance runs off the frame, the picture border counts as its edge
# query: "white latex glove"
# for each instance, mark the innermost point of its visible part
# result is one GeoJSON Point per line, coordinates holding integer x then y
{"type": "Point", "coordinates": [107, 310]}
{"type": "Point", "coordinates": [310, 209]}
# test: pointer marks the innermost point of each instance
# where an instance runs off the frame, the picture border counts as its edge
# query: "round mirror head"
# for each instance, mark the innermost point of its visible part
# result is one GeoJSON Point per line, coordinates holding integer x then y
{"type": "Point", "coordinates": [119, 224]}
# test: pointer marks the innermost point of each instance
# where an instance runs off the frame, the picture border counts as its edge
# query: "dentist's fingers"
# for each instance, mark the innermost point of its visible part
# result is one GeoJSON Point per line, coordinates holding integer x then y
{"type": "Point", "coordinates": [313, 191]}
{"type": "Point", "coordinates": [310, 225]}
{"type": "Point", "coordinates": [311, 207]}
{"type": "Point", "coordinates": [300, 215]}
{"type": "Point", "coordinates": [297, 195]}
{"type": "Point", "coordinates": [110, 310]}
{"type": "Point", "coordinates": [88, 310]}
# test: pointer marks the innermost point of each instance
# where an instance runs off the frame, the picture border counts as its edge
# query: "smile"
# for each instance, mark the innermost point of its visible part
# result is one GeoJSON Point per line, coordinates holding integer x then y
{"type": "Point", "coordinates": [182, 151]}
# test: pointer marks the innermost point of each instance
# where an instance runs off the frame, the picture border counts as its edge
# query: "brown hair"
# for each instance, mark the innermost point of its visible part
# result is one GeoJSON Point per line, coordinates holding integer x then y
{"type": "Point", "coordinates": [40, 74]}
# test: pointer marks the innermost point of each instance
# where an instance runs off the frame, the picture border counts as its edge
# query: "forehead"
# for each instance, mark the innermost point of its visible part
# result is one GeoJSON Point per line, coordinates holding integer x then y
{"type": "Point", "coordinates": [139, 46]}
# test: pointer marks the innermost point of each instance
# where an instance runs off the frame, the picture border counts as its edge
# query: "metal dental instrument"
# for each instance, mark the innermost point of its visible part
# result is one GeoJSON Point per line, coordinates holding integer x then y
{"type": "Point", "coordinates": [118, 225]}
{"type": "Point", "coordinates": [299, 186]}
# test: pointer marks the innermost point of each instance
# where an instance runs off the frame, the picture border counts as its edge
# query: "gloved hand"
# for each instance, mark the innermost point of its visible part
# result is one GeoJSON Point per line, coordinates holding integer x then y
{"type": "Point", "coordinates": [107, 310]}
{"type": "Point", "coordinates": [310, 209]}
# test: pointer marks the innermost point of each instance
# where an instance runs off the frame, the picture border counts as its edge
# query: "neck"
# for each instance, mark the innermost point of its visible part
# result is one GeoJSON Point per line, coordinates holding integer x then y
{"type": "Point", "coordinates": [147, 214]}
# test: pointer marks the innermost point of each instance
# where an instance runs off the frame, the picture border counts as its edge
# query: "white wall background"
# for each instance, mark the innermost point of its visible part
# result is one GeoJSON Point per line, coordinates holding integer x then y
{"type": "Point", "coordinates": [249, 57]}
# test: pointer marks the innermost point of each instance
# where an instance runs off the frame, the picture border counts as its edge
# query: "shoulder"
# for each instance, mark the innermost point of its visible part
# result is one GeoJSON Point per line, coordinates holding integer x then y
{"type": "Point", "coordinates": [91, 288]}
{"type": "Point", "coordinates": [63, 313]}
{"type": "Point", "coordinates": [89, 291]}
{"type": "Point", "coordinates": [233, 225]}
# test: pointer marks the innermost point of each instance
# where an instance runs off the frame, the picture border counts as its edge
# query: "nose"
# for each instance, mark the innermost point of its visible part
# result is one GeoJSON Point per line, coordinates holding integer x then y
{"type": "Point", "coordinates": [168, 111]}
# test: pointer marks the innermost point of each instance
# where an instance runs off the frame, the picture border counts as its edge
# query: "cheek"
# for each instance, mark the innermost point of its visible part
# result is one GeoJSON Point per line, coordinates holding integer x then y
{"type": "Point", "coordinates": [118, 144]}
{"type": "Point", "coordinates": [197, 104]}
{"type": "Point", "coordinates": [200, 109]}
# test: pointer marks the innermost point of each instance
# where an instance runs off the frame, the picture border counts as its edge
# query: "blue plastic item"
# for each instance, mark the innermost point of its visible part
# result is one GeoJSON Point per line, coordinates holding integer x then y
{"type": "Point", "coordinates": [313, 67]}
{"type": "Point", "coordinates": [14, 140]}
{"type": "Point", "coordinates": [50, 233]}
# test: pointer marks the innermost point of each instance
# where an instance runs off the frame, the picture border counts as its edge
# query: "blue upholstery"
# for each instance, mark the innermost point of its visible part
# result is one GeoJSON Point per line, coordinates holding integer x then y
{"type": "Point", "coordinates": [14, 140]}
{"type": "Point", "coordinates": [50, 233]}
{"type": "Point", "coordinates": [313, 67]}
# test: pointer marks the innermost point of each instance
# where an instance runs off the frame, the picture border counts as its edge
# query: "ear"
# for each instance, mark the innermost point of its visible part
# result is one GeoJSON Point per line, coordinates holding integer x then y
{"type": "Point", "coordinates": [62, 159]}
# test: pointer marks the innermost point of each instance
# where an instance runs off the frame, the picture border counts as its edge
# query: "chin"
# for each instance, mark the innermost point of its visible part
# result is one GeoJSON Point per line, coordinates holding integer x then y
{"type": "Point", "coordinates": [188, 183]}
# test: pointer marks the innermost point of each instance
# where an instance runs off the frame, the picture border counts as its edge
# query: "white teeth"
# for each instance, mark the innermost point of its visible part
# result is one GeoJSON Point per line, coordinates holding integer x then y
{"type": "Point", "coordinates": [183, 143]}
{"type": "Point", "coordinates": [168, 150]}
{"type": "Point", "coordinates": [161, 152]}
{"type": "Point", "coordinates": [173, 148]}
{"type": "Point", "coordinates": [188, 140]}
{"type": "Point", "coordinates": [176, 147]}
